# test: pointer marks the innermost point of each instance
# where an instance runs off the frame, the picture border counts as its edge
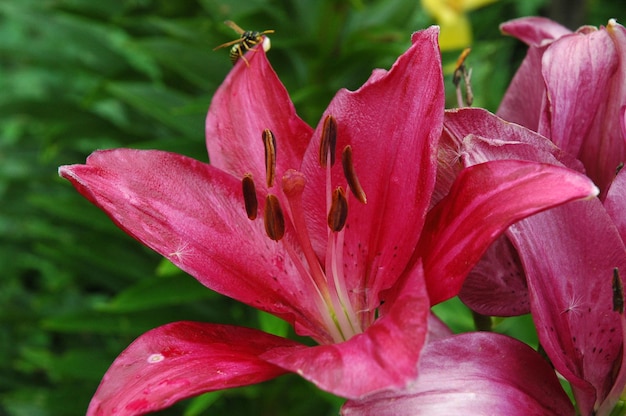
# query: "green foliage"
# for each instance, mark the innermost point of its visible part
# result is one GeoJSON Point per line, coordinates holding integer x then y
{"type": "Point", "coordinates": [79, 75]}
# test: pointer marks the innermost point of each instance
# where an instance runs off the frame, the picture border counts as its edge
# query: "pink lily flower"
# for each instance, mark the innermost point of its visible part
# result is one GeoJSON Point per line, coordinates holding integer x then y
{"type": "Point", "coordinates": [273, 222]}
{"type": "Point", "coordinates": [571, 88]}
{"type": "Point", "coordinates": [569, 256]}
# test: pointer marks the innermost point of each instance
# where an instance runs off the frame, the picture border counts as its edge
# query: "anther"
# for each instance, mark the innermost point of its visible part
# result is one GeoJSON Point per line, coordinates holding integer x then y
{"type": "Point", "coordinates": [462, 73]}
{"type": "Point", "coordinates": [350, 174]}
{"type": "Point", "coordinates": [274, 218]}
{"type": "Point", "coordinates": [338, 212]}
{"type": "Point", "coordinates": [269, 142]}
{"type": "Point", "coordinates": [459, 67]}
{"type": "Point", "coordinates": [249, 196]}
{"type": "Point", "coordinates": [618, 292]}
{"type": "Point", "coordinates": [328, 141]}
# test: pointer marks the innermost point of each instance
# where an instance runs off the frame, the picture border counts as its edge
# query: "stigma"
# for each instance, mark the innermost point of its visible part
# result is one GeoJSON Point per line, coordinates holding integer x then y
{"type": "Point", "coordinates": [283, 213]}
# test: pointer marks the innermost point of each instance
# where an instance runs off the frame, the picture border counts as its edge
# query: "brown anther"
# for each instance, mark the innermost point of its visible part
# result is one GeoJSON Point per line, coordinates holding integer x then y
{"type": "Point", "coordinates": [274, 218]}
{"type": "Point", "coordinates": [459, 68]}
{"type": "Point", "coordinates": [350, 174]}
{"type": "Point", "coordinates": [269, 142]}
{"type": "Point", "coordinates": [462, 73]}
{"type": "Point", "coordinates": [338, 213]}
{"type": "Point", "coordinates": [328, 141]}
{"type": "Point", "coordinates": [249, 196]}
{"type": "Point", "coordinates": [618, 292]}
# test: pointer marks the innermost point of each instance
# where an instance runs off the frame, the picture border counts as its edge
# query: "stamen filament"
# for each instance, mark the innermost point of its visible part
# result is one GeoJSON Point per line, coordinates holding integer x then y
{"type": "Point", "coordinates": [335, 267]}
{"type": "Point", "coordinates": [330, 321]}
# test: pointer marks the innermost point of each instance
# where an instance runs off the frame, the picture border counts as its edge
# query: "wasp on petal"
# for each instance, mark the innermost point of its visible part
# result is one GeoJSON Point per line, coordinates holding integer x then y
{"type": "Point", "coordinates": [247, 41]}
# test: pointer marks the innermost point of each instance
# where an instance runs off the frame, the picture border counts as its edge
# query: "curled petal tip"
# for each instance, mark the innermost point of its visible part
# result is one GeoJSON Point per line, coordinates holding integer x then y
{"type": "Point", "coordinates": [63, 171]}
{"type": "Point", "coordinates": [595, 192]}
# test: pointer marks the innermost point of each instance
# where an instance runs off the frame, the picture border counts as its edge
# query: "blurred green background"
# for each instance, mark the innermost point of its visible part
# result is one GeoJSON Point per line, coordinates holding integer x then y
{"type": "Point", "coordinates": [80, 75]}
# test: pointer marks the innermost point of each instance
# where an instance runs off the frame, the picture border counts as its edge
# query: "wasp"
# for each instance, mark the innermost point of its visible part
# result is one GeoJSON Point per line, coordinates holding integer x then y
{"type": "Point", "coordinates": [248, 40]}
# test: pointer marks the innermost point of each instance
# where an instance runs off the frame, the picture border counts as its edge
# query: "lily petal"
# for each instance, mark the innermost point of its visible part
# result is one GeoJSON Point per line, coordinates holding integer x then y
{"type": "Point", "coordinates": [534, 31]}
{"type": "Point", "coordinates": [524, 100]}
{"type": "Point", "coordinates": [193, 214]}
{"type": "Point", "coordinates": [473, 373]}
{"type": "Point", "coordinates": [496, 286]}
{"type": "Point", "coordinates": [615, 203]}
{"type": "Point", "coordinates": [586, 87]}
{"type": "Point", "coordinates": [515, 142]}
{"type": "Point", "coordinates": [398, 184]}
{"type": "Point", "coordinates": [384, 356]}
{"type": "Point", "coordinates": [252, 99]}
{"type": "Point", "coordinates": [483, 202]}
{"type": "Point", "coordinates": [180, 360]}
{"type": "Point", "coordinates": [570, 252]}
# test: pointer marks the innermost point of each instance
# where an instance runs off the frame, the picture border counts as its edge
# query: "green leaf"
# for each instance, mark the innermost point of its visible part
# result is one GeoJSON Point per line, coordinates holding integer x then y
{"type": "Point", "coordinates": [192, 62]}
{"type": "Point", "coordinates": [163, 104]}
{"type": "Point", "coordinates": [455, 314]}
{"type": "Point", "coordinates": [157, 292]}
{"type": "Point", "coordinates": [273, 325]}
{"type": "Point", "coordinates": [199, 404]}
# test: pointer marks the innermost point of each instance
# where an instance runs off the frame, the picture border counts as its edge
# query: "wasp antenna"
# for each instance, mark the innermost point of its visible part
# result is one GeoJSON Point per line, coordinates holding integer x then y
{"type": "Point", "coordinates": [234, 26]}
{"type": "Point", "coordinates": [224, 45]}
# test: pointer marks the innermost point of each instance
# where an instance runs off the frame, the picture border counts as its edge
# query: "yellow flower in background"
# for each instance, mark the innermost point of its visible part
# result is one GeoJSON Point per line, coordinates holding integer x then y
{"type": "Point", "coordinates": [451, 16]}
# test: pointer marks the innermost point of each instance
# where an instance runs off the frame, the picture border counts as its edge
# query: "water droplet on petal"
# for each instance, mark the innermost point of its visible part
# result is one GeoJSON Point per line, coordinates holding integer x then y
{"type": "Point", "coordinates": [155, 358]}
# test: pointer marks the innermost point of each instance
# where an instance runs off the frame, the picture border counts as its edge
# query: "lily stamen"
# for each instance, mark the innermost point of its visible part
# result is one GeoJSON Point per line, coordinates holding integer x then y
{"type": "Point", "coordinates": [338, 213]}
{"type": "Point", "coordinates": [350, 174]}
{"type": "Point", "coordinates": [328, 141]}
{"type": "Point", "coordinates": [269, 143]}
{"type": "Point", "coordinates": [274, 218]}
{"type": "Point", "coordinates": [249, 196]}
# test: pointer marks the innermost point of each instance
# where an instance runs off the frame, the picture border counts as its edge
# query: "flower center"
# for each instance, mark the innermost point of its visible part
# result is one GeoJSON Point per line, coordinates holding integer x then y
{"type": "Point", "coordinates": [326, 275]}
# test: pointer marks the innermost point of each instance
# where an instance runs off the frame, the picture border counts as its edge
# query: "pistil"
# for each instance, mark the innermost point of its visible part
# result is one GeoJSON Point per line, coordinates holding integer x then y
{"type": "Point", "coordinates": [293, 187]}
